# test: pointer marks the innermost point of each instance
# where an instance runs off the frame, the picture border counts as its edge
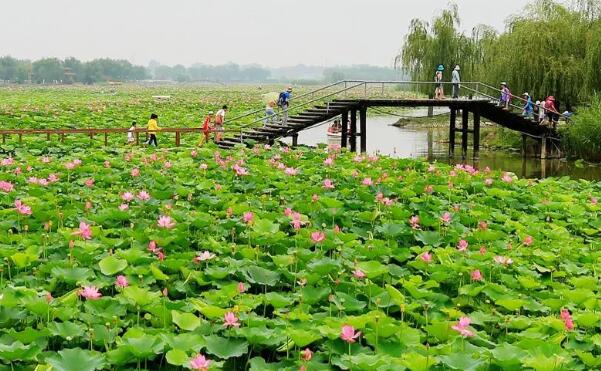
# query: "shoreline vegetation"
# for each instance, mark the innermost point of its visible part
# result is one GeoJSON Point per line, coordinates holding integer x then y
{"type": "Point", "coordinates": [566, 65]}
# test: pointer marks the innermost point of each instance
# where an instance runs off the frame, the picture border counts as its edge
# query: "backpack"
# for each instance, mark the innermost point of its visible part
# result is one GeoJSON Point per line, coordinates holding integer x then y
{"type": "Point", "coordinates": [282, 99]}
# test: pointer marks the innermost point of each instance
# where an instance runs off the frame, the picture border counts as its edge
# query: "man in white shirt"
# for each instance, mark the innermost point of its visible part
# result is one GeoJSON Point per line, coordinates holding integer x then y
{"type": "Point", "coordinates": [456, 80]}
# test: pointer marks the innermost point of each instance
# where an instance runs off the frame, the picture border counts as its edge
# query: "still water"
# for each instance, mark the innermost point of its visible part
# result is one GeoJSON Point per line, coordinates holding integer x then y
{"type": "Point", "coordinates": [432, 144]}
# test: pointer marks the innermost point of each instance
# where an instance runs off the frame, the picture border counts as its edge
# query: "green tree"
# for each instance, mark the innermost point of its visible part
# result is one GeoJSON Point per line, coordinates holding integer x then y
{"type": "Point", "coordinates": [48, 70]}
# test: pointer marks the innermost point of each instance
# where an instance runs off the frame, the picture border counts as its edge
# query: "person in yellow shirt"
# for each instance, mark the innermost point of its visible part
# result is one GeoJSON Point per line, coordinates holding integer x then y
{"type": "Point", "coordinates": [153, 127]}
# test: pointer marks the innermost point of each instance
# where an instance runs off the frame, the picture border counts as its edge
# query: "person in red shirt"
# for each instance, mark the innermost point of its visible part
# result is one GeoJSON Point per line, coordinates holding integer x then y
{"type": "Point", "coordinates": [206, 129]}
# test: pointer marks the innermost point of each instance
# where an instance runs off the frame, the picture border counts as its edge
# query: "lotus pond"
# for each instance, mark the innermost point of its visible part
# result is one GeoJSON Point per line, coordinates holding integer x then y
{"type": "Point", "coordinates": [273, 259]}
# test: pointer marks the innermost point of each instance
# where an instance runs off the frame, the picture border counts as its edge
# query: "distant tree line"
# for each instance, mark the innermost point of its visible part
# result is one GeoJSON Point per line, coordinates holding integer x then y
{"type": "Point", "coordinates": [70, 70]}
{"type": "Point", "coordinates": [548, 49]}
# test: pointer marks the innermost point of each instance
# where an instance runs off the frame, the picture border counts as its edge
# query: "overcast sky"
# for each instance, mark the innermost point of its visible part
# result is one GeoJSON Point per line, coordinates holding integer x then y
{"type": "Point", "coordinates": [268, 32]}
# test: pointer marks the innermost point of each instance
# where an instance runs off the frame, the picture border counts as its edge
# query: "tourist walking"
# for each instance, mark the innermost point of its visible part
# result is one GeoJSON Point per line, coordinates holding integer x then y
{"type": "Point", "coordinates": [206, 129]}
{"type": "Point", "coordinates": [130, 134]}
{"type": "Point", "coordinates": [438, 80]}
{"type": "Point", "coordinates": [456, 80]}
{"type": "Point", "coordinates": [284, 103]}
{"type": "Point", "coordinates": [551, 109]}
{"type": "Point", "coordinates": [153, 128]}
{"type": "Point", "coordinates": [269, 112]}
{"type": "Point", "coordinates": [505, 96]}
{"type": "Point", "coordinates": [541, 111]}
{"type": "Point", "coordinates": [219, 122]}
{"type": "Point", "coordinates": [528, 107]}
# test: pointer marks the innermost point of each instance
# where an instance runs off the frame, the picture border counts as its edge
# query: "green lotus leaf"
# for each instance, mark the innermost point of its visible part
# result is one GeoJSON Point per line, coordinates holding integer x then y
{"type": "Point", "coordinates": [76, 359]}
{"type": "Point", "coordinates": [111, 265]}
{"type": "Point", "coordinates": [225, 348]}
{"type": "Point", "coordinates": [185, 321]}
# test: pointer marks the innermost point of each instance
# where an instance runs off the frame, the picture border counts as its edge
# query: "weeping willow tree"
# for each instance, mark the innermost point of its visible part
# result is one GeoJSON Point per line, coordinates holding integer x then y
{"type": "Point", "coordinates": [551, 49]}
{"type": "Point", "coordinates": [428, 45]}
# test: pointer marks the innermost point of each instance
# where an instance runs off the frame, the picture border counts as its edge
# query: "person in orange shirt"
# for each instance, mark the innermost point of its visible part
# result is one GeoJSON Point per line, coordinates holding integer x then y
{"type": "Point", "coordinates": [206, 129]}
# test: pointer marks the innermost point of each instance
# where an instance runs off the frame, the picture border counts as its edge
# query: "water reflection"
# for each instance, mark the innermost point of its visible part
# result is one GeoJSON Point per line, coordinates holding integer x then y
{"type": "Point", "coordinates": [432, 144]}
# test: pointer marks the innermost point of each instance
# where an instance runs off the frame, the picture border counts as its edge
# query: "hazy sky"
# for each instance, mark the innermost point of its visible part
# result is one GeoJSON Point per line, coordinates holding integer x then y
{"type": "Point", "coordinates": [268, 32]}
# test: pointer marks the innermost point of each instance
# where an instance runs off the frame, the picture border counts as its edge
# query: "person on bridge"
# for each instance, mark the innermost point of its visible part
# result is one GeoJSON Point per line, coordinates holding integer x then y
{"type": "Point", "coordinates": [456, 80]}
{"type": "Point", "coordinates": [438, 83]}
{"type": "Point", "coordinates": [269, 112]}
{"type": "Point", "coordinates": [528, 107]}
{"type": "Point", "coordinates": [505, 96]}
{"type": "Point", "coordinates": [153, 128]}
{"type": "Point", "coordinates": [284, 103]}
{"type": "Point", "coordinates": [219, 121]}
{"type": "Point", "coordinates": [206, 129]}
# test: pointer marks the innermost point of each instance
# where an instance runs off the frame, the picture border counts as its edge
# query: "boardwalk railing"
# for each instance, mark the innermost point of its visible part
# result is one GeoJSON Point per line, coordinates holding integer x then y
{"type": "Point", "coordinates": [92, 132]}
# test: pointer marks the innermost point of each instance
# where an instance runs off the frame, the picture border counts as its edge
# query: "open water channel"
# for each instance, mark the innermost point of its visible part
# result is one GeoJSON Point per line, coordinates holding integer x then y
{"type": "Point", "coordinates": [432, 144]}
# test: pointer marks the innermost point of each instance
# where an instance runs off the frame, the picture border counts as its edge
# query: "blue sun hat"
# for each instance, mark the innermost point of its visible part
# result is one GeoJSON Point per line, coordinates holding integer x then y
{"type": "Point", "coordinates": [440, 68]}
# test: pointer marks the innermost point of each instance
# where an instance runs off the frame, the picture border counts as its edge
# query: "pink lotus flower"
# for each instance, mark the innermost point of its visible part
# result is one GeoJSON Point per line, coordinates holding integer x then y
{"type": "Point", "coordinates": [291, 171]}
{"type": "Point", "coordinates": [70, 166]}
{"type": "Point", "coordinates": [230, 320]}
{"type": "Point", "coordinates": [43, 182]}
{"type": "Point", "coordinates": [503, 260]}
{"type": "Point", "coordinates": [528, 241]}
{"type": "Point", "coordinates": [18, 171]}
{"type": "Point", "coordinates": [567, 319]}
{"type": "Point", "coordinates": [288, 212]}
{"type": "Point", "coordinates": [328, 184]}
{"type": "Point", "coordinates": [239, 170]}
{"type": "Point", "coordinates": [446, 218]}
{"type": "Point", "coordinates": [203, 167]}
{"type": "Point", "coordinates": [429, 189]}
{"type": "Point", "coordinates": [348, 334]}
{"type": "Point", "coordinates": [77, 162]}
{"type": "Point", "coordinates": [166, 222]}
{"type": "Point", "coordinates": [241, 287]}
{"type": "Point", "coordinates": [123, 207]}
{"type": "Point", "coordinates": [462, 326]}
{"type": "Point", "coordinates": [477, 275]}
{"type": "Point", "coordinates": [85, 231]}
{"type": "Point", "coordinates": [336, 229]}
{"type": "Point", "coordinates": [358, 158]}
{"type": "Point", "coordinates": [107, 164]}
{"type": "Point", "coordinates": [143, 196]}
{"type": "Point", "coordinates": [358, 273]}
{"type": "Point", "coordinates": [6, 187]}
{"type": "Point", "coordinates": [45, 160]}
{"type": "Point", "coordinates": [482, 250]}
{"type": "Point", "coordinates": [414, 222]}
{"type": "Point", "coordinates": [32, 180]}
{"type": "Point", "coordinates": [160, 255]}
{"type": "Point", "coordinates": [426, 257]}
{"type": "Point", "coordinates": [200, 363]}
{"type": "Point", "coordinates": [135, 172]}
{"type": "Point", "coordinates": [462, 245]}
{"type": "Point", "coordinates": [121, 281]}
{"type": "Point", "coordinates": [431, 168]}
{"type": "Point", "coordinates": [367, 182]}
{"type": "Point", "coordinates": [482, 225]}
{"type": "Point", "coordinates": [507, 178]}
{"type": "Point", "coordinates": [328, 161]}
{"type": "Point", "coordinates": [193, 153]}
{"type": "Point", "coordinates": [318, 237]}
{"type": "Point", "coordinates": [488, 182]}
{"type": "Point", "coordinates": [90, 292]}
{"type": "Point", "coordinates": [88, 205]}
{"type": "Point", "coordinates": [7, 161]}
{"type": "Point", "coordinates": [52, 178]}
{"type": "Point", "coordinates": [127, 196]}
{"type": "Point", "coordinates": [314, 198]}
{"type": "Point", "coordinates": [594, 201]}
{"type": "Point", "coordinates": [167, 165]}
{"type": "Point", "coordinates": [204, 256]}
{"type": "Point", "coordinates": [248, 217]}
{"type": "Point", "coordinates": [152, 246]}
{"type": "Point", "coordinates": [306, 355]}
{"type": "Point", "coordinates": [89, 182]}
{"type": "Point", "coordinates": [21, 208]}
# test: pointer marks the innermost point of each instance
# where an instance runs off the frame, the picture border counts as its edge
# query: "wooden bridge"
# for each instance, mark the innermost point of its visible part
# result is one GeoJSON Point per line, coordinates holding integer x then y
{"type": "Point", "coordinates": [353, 116]}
